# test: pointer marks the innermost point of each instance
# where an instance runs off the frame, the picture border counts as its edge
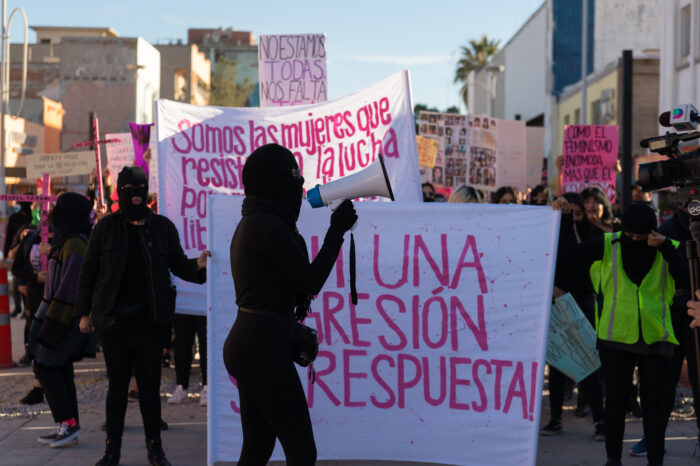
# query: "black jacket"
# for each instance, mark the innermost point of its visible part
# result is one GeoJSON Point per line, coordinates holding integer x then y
{"type": "Point", "coordinates": [105, 264]}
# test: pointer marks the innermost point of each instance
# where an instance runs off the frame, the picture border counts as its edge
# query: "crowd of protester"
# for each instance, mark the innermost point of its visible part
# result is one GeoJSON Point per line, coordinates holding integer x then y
{"type": "Point", "coordinates": [626, 271]}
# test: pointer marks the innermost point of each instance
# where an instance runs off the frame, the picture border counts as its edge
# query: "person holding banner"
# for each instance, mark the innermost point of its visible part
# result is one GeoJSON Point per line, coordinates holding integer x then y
{"type": "Point", "coordinates": [634, 274]}
{"type": "Point", "coordinates": [274, 284]}
{"type": "Point", "coordinates": [124, 292]}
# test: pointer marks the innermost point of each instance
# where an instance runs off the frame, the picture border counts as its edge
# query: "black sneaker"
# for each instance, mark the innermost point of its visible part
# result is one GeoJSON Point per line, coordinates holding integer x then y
{"type": "Point", "coordinates": [133, 395]}
{"type": "Point", "coordinates": [24, 361]}
{"type": "Point", "coordinates": [46, 439]}
{"type": "Point", "coordinates": [35, 396]}
{"type": "Point", "coordinates": [66, 435]}
{"type": "Point", "coordinates": [163, 424]}
{"type": "Point", "coordinates": [599, 433]}
{"type": "Point", "coordinates": [553, 428]}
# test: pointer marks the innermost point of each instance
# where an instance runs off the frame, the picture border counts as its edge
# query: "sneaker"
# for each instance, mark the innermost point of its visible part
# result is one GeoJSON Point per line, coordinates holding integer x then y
{"type": "Point", "coordinates": [133, 395]}
{"type": "Point", "coordinates": [639, 448]}
{"type": "Point", "coordinates": [66, 434]}
{"type": "Point", "coordinates": [35, 396]}
{"type": "Point", "coordinates": [599, 433]}
{"type": "Point", "coordinates": [178, 397]}
{"type": "Point", "coordinates": [24, 361]}
{"type": "Point", "coordinates": [203, 396]}
{"type": "Point", "coordinates": [46, 439]}
{"type": "Point", "coordinates": [163, 424]}
{"type": "Point", "coordinates": [553, 428]}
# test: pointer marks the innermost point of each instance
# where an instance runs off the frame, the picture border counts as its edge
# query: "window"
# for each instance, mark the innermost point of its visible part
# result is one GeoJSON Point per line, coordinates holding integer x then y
{"type": "Point", "coordinates": [180, 85]}
{"type": "Point", "coordinates": [567, 120]}
{"type": "Point", "coordinates": [577, 116]}
{"type": "Point", "coordinates": [596, 112]}
{"type": "Point", "coordinates": [684, 35]}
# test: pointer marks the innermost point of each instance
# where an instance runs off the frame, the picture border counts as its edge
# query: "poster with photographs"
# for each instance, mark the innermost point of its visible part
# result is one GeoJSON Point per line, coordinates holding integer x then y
{"type": "Point", "coordinates": [468, 151]}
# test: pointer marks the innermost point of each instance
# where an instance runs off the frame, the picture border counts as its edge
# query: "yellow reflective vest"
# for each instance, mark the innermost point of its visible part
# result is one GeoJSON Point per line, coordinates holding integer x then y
{"type": "Point", "coordinates": [625, 303]}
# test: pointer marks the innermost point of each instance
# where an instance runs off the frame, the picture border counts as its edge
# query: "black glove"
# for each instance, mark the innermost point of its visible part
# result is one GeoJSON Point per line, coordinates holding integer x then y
{"type": "Point", "coordinates": [343, 218]}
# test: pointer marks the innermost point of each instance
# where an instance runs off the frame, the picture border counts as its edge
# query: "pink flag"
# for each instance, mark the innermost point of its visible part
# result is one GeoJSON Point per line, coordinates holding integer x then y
{"type": "Point", "coordinates": [141, 135]}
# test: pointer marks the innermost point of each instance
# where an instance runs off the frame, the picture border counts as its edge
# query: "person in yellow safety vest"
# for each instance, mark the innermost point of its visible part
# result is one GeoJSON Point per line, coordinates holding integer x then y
{"type": "Point", "coordinates": [634, 274]}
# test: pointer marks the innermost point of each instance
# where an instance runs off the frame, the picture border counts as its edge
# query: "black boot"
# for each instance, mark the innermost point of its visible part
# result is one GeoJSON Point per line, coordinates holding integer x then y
{"type": "Point", "coordinates": [156, 455]}
{"type": "Point", "coordinates": [112, 453]}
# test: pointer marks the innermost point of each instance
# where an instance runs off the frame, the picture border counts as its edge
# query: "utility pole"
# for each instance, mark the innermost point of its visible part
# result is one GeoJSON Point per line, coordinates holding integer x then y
{"type": "Point", "coordinates": [626, 191]}
{"type": "Point", "coordinates": [5, 90]}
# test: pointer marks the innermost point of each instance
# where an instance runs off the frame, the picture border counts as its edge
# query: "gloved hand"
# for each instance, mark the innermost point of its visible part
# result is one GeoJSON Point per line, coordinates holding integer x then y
{"type": "Point", "coordinates": [343, 218]}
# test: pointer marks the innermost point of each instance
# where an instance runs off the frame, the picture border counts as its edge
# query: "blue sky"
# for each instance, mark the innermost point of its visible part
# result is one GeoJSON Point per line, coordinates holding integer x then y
{"type": "Point", "coordinates": [366, 40]}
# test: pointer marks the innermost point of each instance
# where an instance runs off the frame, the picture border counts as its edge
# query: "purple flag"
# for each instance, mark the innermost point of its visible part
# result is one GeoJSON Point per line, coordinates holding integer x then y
{"type": "Point", "coordinates": [141, 136]}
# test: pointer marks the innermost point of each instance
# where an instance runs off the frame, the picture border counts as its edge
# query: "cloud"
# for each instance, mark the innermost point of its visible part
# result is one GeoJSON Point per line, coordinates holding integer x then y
{"type": "Point", "coordinates": [414, 60]}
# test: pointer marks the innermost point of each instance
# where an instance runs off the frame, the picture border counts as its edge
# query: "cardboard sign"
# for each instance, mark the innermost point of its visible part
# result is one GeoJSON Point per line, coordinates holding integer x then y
{"type": "Point", "coordinates": [427, 151]}
{"type": "Point", "coordinates": [292, 69]}
{"type": "Point", "coordinates": [61, 164]}
{"type": "Point", "coordinates": [441, 360]}
{"type": "Point", "coordinates": [202, 150]}
{"type": "Point", "coordinates": [571, 346]}
{"type": "Point", "coordinates": [589, 156]}
{"type": "Point", "coordinates": [479, 151]}
{"type": "Point", "coordinates": [119, 154]}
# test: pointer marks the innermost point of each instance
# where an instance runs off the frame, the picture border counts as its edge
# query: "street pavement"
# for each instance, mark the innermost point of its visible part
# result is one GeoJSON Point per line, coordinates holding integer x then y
{"type": "Point", "coordinates": [185, 440]}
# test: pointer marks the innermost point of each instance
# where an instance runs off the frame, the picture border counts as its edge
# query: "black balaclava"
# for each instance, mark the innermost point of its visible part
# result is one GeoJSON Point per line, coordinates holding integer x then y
{"type": "Point", "coordinates": [134, 176]}
{"type": "Point", "coordinates": [270, 173]}
{"type": "Point", "coordinates": [26, 207]}
{"type": "Point", "coordinates": [637, 256]}
{"type": "Point", "coordinates": [70, 217]}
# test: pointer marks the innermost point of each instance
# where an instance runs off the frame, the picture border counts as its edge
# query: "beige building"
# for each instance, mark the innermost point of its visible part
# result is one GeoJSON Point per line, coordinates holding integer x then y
{"type": "Point", "coordinates": [185, 74]}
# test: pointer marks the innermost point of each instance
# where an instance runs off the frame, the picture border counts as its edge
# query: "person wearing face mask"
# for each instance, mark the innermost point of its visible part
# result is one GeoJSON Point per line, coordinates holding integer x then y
{"type": "Point", "coordinates": [124, 292]}
{"type": "Point", "coordinates": [634, 274]}
{"type": "Point", "coordinates": [274, 284]}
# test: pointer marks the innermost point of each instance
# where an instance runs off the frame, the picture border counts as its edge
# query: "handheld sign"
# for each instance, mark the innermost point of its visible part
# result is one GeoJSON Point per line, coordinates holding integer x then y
{"type": "Point", "coordinates": [571, 346]}
{"type": "Point", "coordinates": [589, 154]}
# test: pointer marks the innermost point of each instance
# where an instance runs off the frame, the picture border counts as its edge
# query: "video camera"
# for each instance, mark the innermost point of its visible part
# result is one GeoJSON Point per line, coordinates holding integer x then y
{"type": "Point", "coordinates": [682, 170]}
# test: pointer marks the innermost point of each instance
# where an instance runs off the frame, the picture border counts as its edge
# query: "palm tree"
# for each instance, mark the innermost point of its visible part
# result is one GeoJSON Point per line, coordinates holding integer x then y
{"type": "Point", "coordinates": [474, 57]}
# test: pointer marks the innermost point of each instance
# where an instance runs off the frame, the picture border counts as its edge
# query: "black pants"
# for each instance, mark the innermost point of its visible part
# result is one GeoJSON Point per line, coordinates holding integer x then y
{"type": "Point", "coordinates": [59, 388]}
{"type": "Point", "coordinates": [144, 362]}
{"type": "Point", "coordinates": [618, 367]}
{"type": "Point", "coordinates": [185, 327]}
{"type": "Point", "coordinates": [272, 400]}
{"type": "Point", "coordinates": [590, 386]}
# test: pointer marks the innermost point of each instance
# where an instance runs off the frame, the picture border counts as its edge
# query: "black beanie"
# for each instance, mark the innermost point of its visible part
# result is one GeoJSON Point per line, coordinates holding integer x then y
{"type": "Point", "coordinates": [132, 175]}
{"type": "Point", "coordinates": [71, 214]}
{"type": "Point", "coordinates": [269, 173]}
{"type": "Point", "coordinates": [638, 219]}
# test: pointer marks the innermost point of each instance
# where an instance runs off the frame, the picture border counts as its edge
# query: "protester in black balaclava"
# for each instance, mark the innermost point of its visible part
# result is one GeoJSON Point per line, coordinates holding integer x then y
{"type": "Point", "coordinates": [633, 324]}
{"type": "Point", "coordinates": [55, 340]}
{"type": "Point", "coordinates": [274, 283]}
{"type": "Point", "coordinates": [124, 292]}
{"type": "Point", "coordinates": [133, 183]}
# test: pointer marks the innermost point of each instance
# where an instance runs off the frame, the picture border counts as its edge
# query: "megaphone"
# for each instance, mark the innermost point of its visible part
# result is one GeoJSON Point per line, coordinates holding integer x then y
{"type": "Point", "coordinates": [372, 181]}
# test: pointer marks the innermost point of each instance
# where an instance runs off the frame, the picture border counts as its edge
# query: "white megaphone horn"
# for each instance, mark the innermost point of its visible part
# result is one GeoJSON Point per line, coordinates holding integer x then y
{"type": "Point", "coordinates": [372, 181]}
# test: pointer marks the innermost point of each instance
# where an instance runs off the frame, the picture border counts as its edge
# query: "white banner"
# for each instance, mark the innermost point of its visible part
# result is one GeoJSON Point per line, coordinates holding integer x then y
{"type": "Point", "coordinates": [292, 69]}
{"type": "Point", "coordinates": [442, 359]}
{"type": "Point", "coordinates": [202, 150]}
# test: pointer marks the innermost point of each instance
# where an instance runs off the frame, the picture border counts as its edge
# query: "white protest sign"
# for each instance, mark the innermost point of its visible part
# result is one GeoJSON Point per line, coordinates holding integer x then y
{"type": "Point", "coordinates": [442, 358]}
{"type": "Point", "coordinates": [119, 154]}
{"type": "Point", "coordinates": [202, 150]}
{"type": "Point", "coordinates": [571, 345]}
{"type": "Point", "coordinates": [535, 154]}
{"type": "Point", "coordinates": [512, 154]}
{"type": "Point", "coordinates": [60, 164]}
{"type": "Point", "coordinates": [292, 69]}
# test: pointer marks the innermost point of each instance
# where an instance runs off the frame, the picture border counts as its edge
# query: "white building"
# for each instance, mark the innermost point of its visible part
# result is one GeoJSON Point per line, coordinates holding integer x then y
{"type": "Point", "coordinates": [680, 53]}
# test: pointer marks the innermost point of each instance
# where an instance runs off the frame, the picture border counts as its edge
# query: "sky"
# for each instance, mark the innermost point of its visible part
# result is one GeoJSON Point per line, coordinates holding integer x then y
{"type": "Point", "coordinates": [366, 41]}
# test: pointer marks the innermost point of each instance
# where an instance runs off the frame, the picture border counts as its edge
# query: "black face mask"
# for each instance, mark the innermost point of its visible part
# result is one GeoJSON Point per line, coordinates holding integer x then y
{"type": "Point", "coordinates": [131, 211]}
{"type": "Point", "coordinates": [634, 246]}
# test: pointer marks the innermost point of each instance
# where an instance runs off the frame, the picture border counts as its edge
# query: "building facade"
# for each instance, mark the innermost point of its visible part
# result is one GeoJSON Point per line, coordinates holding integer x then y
{"type": "Point", "coordinates": [185, 74]}
{"type": "Point", "coordinates": [230, 52]}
